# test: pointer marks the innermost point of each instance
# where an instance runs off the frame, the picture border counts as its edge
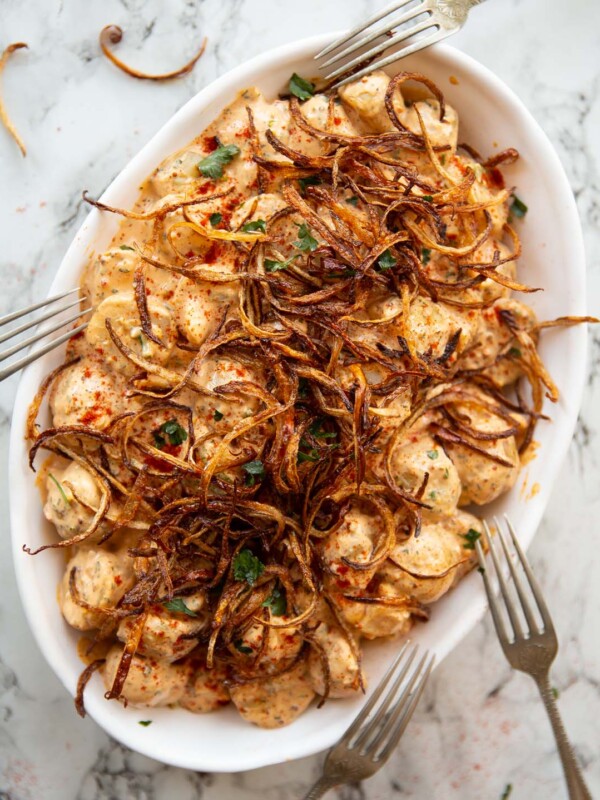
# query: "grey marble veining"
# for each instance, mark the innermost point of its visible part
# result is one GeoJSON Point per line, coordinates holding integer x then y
{"type": "Point", "coordinates": [480, 727]}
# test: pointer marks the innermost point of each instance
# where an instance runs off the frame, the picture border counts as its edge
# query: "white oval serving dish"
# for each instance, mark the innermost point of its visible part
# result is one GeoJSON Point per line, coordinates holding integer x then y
{"type": "Point", "coordinates": [491, 117]}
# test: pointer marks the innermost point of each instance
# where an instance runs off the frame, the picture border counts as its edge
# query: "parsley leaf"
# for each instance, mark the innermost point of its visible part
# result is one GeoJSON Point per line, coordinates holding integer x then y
{"type": "Point", "coordinates": [425, 255]}
{"type": "Point", "coordinates": [212, 166]}
{"type": "Point", "coordinates": [300, 87]}
{"type": "Point", "coordinates": [254, 226]}
{"type": "Point", "coordinates": [554, 690]}
{"type": "Point", "coordinates": [253, 469]}
{"type": "Point", "coordinates": [507, 791]}
{"type": "Point", "coordinates": [177, 604]}
{"type": "Point", "coordinates": [175, 433]}
{"type": "Point", "coordinates": [432, 494]}
{"type": "Point", "coordinates": [317, 431]}
{"type": "Point", "coordinates": [218, 415]}
{"type": "Point", "coordinates": [310, 180]}
{"type": "Point", "coordinates": [247, 567]}
{"type": "Point", "coordinates": [515, 352]}
{"type": "Point", "coordinates": [125, 247]}
{"type": "Point", "coordinates": [145, 722]}
{"type": "Point", "coordinates": [243, 648]}
{"type": "Point", "coordinates": [312, 454]}
{"type": "Point", "coordinates": [428, 197]}
{"type": "Point", "coordinates": [352, 200]}
{"type": "Point", "coordinates": [470, 537]}
{"type": "Point", "coordinates": [277, 602]}
{"type": "Point", "coordinates": [215, 219]}
{"type": "Point", "coordinates": [305, 242]}
{"type": "Point", "coordinates": [433, 454]}
{"type": "Point", "coordinates": [518, 207]}
{"type": "Point", "coordinates": [275, 266]}
{"type": "Point", "coordinates": [386, 260]}
{"type": "Point", "coordinates": [60, 488]}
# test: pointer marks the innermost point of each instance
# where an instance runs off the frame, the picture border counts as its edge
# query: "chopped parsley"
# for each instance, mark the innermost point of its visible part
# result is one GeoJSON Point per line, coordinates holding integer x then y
{"type": "Point", "coordinates": [317, 431]}
{"type": "Point", "coordinates": [470, 537]}
{"type": "Point", "coordinates": [212, 166]}
{"type": "Point", "coordinates": [177, 604]}
{"type": "Point", "coordinates": [507, 791]}
{"type": "Point", "coordinates": [301, 88]}
{"type": "Point", "coordinates": [145, 722]}
{"type": "Point", "coordinates": [253, 470]}
{"type": "Point", "coordinates": [125, 247]}
{"type": "Point", "coordinates": [425, 255]}
{"type": "Point", "coordinates": [243, 648]}
{"type": "Point", "coordinates": [311, 453]}
{"type": "Point", "coordinates": [432, 495]}
{"type": "Point", "coordinates": [59, 486]}
{"type": "Point", "coordinates": [386, 260]}
{"type": "Point", "coordinates": [428, 197]}
{"type": "Point", "coordinates": [276, 601]}
{"type": "Point", "coordinates": [257, 225]}
{"type": "Point", "coordinates": [215, 218]}
{"type": "Point", "coordinates": [433, 454]}
{"type": "Point", "coordinates": [274, 266]}
{"type": "Point", "coordinates": [217, 415]}
{"type": "Point", "coordinates": [518, 207]}
{"type": "Point", "coordinates": [352, 200]}
{"type": "Point", "coordinates": [174, 432]}
{"type": "Point", "coordinates": [247, 567]}
{"type": "Point", "coordinates": [555, 693]}
{"type": "Point", "coordinates": [515, 352]}
{"type": "Point", "coordinates": [310, 180]}
{"type": "Point", "coordinates": [143, 344]}
{"type": "Point", "coordinates": [481, 570]}
{"type": "Point", "coordinates": [305, 242]}
{"type": "Point", "coordinates": [443, 159]}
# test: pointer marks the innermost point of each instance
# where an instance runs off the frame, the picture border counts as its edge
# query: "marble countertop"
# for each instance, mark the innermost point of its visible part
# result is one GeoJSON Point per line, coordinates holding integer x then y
{"type": "Point", "coordinates": [481, 727]}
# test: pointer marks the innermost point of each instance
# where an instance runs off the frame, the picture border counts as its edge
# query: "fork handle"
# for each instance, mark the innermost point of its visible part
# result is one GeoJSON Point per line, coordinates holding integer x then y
{"type": "Point", "coordinates": [323, 785]}
{"type": "Point", "coordinates": [575, 783]}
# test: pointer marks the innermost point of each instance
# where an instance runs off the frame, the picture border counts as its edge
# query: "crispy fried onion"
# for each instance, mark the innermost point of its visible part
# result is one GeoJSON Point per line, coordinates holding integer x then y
{"type": "Point", "coordinates": [4, 118]}
{"type": "Point", "coordinates": [229, 470]}
{"type": "Point", "coordinates": [112, 34]}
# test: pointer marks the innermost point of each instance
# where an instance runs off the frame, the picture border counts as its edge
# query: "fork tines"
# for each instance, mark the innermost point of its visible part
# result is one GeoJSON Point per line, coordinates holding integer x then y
{"type": "Point", "coordinates": [378, 728]}
{"type": "Point", "coordinates": [41, 334]}
{"type": "Point", "coordinates": [400, 22]}
{"type": "Point", "coordinates": [525, 608]}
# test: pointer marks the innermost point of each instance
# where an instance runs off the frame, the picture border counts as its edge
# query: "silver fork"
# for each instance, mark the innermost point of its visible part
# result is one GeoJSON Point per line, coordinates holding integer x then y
{"type": "Point", "coordinates": [530, 648]}
{"type": "Point", "coordinates": [372, 737]}
{"type": "Point", "coordinates": [415, 24]}
{"type": "Point", "coordinates": [39, 335]}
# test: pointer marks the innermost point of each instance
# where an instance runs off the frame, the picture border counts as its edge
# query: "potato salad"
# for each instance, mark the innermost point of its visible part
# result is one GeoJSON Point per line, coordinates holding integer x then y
{"type": "Point", "coordinates": [294, 398]}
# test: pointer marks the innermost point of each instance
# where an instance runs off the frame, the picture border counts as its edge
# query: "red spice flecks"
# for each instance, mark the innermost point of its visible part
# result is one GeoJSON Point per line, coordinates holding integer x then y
{"type": "Point", "coordinates": [118, 580]}
{"type": "Point", "coordinates": [87, 372]}
{"type": "Point", "coordinates": [213, 253]}
{"type": "Point", "coordinates": [91, 415]}
{"type": "Point", "coordinates": [337, 121]}
{"type": "Point", "coordinates": [210, 143]}
{"type": "Point", "coordinates": [205, 188]}
{"type": "Point", "coordinates": [494, 178]}
{"type": "Point", "coordinates": [343, 569]}
{"type": "Point", "coordinates": [244, 133]}
{"type": "Point", "coordinates": [343, 584]}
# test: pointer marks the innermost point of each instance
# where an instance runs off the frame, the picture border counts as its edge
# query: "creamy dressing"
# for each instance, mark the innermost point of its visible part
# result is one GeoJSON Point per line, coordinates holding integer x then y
{"type": "Point", "coordinates": [97, 389]}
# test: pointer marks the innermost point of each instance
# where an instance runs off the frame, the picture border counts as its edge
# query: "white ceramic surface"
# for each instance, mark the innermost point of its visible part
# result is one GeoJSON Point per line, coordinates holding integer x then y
{"type": "Point", "coordinates": [491, 116]}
